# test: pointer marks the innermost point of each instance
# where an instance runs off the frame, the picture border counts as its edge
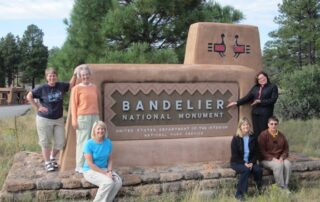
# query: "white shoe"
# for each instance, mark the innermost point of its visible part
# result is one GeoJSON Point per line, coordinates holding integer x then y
{"type": "Point", "coordinates": [79, 170]}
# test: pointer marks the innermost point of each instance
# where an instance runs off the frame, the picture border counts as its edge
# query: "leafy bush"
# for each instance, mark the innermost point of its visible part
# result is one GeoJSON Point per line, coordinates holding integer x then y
{"type": "Point", "coordinates": [300, 94]}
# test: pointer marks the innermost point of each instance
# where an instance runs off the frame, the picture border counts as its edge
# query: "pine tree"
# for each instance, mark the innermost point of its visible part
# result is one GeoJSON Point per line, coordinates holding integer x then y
{"type": "Point", "coordinates": [9, 51]}
{"type": "Point", "coordinates": [113, 31]}
{"type": "Point", "coordinates": [85, 41]}
{"type": "Point", "coordinates": [34, 55]}
{"type": "Point", "coordinates": [160, 24]}
{"type": "Point", "coordinates": [298, 34]}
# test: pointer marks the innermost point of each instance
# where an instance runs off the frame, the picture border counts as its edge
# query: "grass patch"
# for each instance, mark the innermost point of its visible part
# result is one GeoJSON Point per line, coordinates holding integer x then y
{"type": "Point", "coordinates": [303, 136]}
{"type": "Point", "coordinates": [20, 135]}
{"type": "Point", "coordinates": [16, 134]}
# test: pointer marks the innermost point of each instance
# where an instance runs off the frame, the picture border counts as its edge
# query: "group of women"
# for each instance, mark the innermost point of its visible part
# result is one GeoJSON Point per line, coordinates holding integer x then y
{"type": "Point", "coordinates": [263, 142]}
{"type": "Point", "coordinates": [94, 148]}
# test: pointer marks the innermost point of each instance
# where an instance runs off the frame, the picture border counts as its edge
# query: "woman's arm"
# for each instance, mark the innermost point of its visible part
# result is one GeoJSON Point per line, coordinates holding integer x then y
{"type": "Point", "coordinates": [110, 163]}
{"type": "Point", "coordinates": [255, 151]}
{"type": "Point", "coordinates": [249, 97]}
{"type": "Point", "coordinates": [235, 153]}
{"type": "Point", "coordinates": [74, 106]}
{"type": "Point", "coordinates": [72, 81]}
{"type": "Point", "coordinates": [93, 166]}
{"type": "Point", "coordinates": [37, 106]}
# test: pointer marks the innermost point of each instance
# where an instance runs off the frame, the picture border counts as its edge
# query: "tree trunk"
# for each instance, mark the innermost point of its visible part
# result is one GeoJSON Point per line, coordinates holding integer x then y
{"type": "Point", "coordinates": [33, 82]}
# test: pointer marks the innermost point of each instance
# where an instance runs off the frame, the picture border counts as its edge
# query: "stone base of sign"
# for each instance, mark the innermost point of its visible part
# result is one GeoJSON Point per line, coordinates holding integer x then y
{"type": "Point", "coordinates": [28, 181]}
{"type": "Point", "coordinates": [153, 149]}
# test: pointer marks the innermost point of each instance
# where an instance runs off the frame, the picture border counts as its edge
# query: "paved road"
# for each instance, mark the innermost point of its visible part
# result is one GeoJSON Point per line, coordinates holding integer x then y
{"type": "Point", "coordinates": [11, 111]}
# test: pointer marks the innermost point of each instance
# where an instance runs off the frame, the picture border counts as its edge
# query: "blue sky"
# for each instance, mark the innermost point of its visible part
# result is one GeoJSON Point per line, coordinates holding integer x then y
{"type": "Point", "coordinates": [48, 15]}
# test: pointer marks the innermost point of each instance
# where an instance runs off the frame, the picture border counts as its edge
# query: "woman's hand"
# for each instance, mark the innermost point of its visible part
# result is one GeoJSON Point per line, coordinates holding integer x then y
{"type": "Point", "coordinates": [249, 165]}
{"type": "Point", "coordinates": [108, 173]}
{"type": "Point", "coordinates": [231, 104]}
{"type": "Point", "coordinates": [75, 126]}
{"type": "Point", "coordinates": [42, 109]}
{"type": "Point", "coordinates": [256, 102]}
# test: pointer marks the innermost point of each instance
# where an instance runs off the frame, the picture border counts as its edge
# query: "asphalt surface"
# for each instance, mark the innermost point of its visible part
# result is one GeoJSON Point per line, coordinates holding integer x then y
{"type": "Point", "coordinates": [10, 111]}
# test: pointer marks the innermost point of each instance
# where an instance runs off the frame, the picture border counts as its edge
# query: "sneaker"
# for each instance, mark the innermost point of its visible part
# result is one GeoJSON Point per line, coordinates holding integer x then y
{"type": "Point", "coordinates": [286, 190]}
{"type": "Point", "coordinates": [54, 163]}
{"type": "Point", "coordinates": [49, 167]}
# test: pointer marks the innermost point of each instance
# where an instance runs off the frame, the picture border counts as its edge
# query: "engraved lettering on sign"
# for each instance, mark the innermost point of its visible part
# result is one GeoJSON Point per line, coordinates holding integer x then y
{"type": "Point", "coordinates": [145, 109]}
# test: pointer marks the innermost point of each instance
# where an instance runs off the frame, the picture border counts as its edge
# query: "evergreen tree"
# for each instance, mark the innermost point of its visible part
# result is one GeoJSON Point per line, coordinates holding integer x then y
{"type": "Point", "coordinates": [85, 42]}
{"type": "Point", "coordinates": [2, 68]}
{"type": "Point", "coordinates": [293, 58]}
{"type": "Point", "coordinates": [9, 51]}
{"type": "Point", "coordinates": [160, 24]}
{"type": "Point", "coordinates": [112, 31]}
{"type": "Point", "coordinates": [34, 55]}
{"type": "Point", "coordinates": [296, 42]}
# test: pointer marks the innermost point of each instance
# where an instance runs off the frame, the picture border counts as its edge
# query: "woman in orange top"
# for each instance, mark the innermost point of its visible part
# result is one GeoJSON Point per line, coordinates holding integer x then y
{"type": "Point", "coordinates": [84, 110]}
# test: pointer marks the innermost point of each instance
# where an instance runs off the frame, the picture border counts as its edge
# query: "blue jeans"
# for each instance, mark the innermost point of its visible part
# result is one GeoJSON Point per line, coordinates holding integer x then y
{"type": "Point", "coordinates": [242, 186]}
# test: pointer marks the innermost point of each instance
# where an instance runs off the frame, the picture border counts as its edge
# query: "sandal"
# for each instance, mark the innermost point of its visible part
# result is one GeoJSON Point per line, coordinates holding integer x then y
{"type": "Point", "coordinates": [49, 167]}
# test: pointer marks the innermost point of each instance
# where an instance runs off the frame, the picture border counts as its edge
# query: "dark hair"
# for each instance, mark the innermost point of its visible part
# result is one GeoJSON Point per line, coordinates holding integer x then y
{"type": "Point", "coordinates": [264, 74]}
{"type": "Point", "coordinates": [273, 118]}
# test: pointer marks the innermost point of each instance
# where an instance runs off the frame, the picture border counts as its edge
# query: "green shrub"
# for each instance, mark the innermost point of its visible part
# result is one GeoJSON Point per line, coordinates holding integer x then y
{"type": "Point", "coordinates": [300, 94]}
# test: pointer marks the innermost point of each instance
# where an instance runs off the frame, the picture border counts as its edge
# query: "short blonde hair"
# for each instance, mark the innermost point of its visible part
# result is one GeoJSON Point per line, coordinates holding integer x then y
{"type": "Point", "coordinates": [97, 124]}
{"type": "Point", "coordinates": [242, 121]}
{"type": "Point", "coordinates": [83, 67]}
{"type": "Point", "coordinates": [50, 70]}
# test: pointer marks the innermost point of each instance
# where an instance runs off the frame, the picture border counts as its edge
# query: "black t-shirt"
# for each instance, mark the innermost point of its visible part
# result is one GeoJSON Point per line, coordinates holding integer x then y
{"type": "Point", "coordinates": [51, 97]}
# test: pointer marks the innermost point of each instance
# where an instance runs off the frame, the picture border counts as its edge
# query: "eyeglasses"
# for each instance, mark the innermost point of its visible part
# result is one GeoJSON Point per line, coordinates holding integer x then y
{"type": "Point", "coordinates": [260, 77]}
{"type": "Point", "coordinates": [273, 124]}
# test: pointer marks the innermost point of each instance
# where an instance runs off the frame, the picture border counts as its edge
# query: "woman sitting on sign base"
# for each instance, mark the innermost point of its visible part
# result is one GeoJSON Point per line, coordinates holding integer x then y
{"type": "Point", "coordinates": [244, 153]}
{"type": "Point", "coordinates": [97, 168]}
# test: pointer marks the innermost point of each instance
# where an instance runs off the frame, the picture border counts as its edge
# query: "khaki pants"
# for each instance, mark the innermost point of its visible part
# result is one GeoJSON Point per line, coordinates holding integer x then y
{"type": "Point", "coordinates": [85, 123]}
{"type": "Point", "coordinates": [50, 132]}
{"type": "Point", "coordinates": [281, 171]}
{"type": "Point", "coordinates": [108, 188]}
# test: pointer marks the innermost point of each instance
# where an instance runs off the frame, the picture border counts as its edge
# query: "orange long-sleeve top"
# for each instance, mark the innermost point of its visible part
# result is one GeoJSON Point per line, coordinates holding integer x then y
{"type": "Point", "coordinates": [84, 101]}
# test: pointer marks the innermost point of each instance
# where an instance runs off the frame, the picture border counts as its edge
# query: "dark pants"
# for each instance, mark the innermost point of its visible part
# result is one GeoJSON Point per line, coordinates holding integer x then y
{"type": "Point", "coordinates": [242, 186]}
{"type": "Point", "coordinates": [260, 123]}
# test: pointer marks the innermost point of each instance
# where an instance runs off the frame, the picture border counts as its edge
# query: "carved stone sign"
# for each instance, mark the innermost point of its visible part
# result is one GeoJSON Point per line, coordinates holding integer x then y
{"type": "Point", "coordinates": [168, 110]}
{"type": "Point", "coordinates": [164, 114]}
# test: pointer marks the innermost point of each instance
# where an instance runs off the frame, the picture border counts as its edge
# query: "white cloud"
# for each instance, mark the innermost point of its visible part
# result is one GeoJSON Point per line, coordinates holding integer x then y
{"type": "Point", "coordinates": [35, 9]}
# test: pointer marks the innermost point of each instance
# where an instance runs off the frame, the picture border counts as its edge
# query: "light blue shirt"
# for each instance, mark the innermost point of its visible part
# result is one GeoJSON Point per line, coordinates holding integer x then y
{"type": "Point", "coordinates": [100, 153]}
{"type": "Point", "coordinates": [246, 148]}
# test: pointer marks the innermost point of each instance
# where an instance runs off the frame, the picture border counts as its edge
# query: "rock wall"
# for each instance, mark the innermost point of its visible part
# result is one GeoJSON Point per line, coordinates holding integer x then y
{"type": "Point", "coordinates": [28, 180]}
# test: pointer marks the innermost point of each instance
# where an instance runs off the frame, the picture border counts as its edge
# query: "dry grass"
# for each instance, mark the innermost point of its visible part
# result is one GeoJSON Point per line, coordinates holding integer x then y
{"type": "Point", "coordinates": [303, 137]}
{"type": "Point", "coordinates": [16, 134]}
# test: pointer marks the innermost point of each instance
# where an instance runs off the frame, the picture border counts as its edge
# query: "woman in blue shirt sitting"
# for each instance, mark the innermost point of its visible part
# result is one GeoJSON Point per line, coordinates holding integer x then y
{"type": "Point", "coordinates": [244, 155]}
{"type": "Point", "coordinates": [98, 164]}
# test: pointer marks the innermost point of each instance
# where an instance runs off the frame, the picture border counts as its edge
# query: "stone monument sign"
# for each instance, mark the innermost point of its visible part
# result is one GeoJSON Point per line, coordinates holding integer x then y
{"type": "Point", "coordinates": [162, 114]}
